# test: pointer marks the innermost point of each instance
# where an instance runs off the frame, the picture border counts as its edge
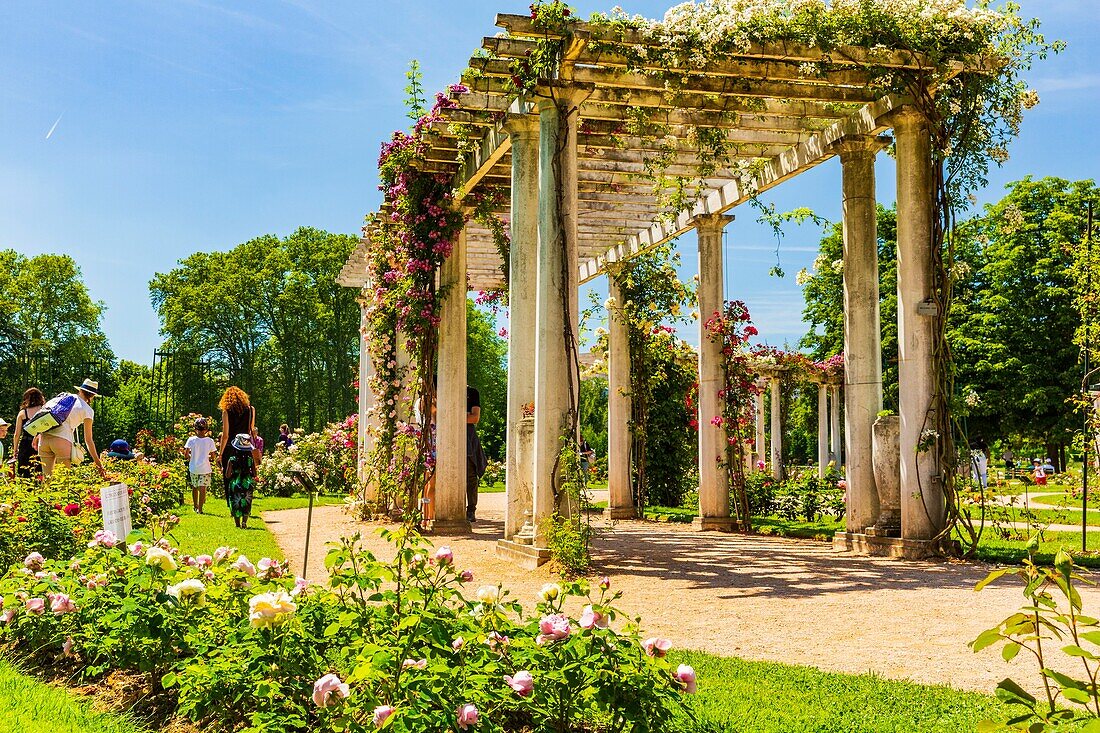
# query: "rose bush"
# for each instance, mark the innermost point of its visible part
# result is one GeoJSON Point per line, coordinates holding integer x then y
{"type": "Point", "coordinates": [59, 517]}
{"type": "Point", "coordinates": [329, 458]}
{"type": "Point", "coordinates": [396, 644]}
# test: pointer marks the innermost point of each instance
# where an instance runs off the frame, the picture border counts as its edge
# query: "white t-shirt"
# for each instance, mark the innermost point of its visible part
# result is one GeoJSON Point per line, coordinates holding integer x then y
{"type": "Point", "coordinates": [200, 448]}
{"type": "Point", "coordinates": [67, 429]}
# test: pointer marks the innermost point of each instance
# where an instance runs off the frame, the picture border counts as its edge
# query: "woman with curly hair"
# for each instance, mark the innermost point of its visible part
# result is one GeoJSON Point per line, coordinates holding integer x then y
{"type": "Point", "coordinates": [238, 418]}
{"type": "Point", "coordinates": [27, 464]}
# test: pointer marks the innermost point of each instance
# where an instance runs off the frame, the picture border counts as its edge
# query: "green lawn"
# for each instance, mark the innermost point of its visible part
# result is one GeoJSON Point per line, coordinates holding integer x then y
{"type": "Point", "coordinates": [765, 697]}
{"type": "Point", "coordinates": [199, 534]}
{"type": "Point", "coordinates": [29, 705]}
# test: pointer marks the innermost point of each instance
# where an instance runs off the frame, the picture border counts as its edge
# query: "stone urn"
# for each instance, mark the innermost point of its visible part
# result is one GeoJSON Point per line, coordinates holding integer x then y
{"type": "Point", "coordinates": [886, 461]}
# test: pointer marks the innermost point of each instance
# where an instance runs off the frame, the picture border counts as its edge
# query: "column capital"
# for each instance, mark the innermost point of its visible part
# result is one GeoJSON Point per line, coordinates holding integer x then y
{"type": "Point", "coordinates": [854, 147]}
{"type": "Point", "coordinates": [711, 222]}
{"type": "Point", "coordinates": [521, 125]}
{"type": "Point", "coordinates": [905, 117]}
{"type": "Point", "coordinates": [558, 91]}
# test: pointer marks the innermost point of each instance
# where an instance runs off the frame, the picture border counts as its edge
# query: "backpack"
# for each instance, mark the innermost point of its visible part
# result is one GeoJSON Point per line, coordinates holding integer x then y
{"type": "Point", "coordinates": [53, 413]}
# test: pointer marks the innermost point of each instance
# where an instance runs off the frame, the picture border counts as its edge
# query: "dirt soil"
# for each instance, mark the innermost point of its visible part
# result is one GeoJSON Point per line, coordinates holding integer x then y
{"type": "Point", "coordinates": [752, 597]}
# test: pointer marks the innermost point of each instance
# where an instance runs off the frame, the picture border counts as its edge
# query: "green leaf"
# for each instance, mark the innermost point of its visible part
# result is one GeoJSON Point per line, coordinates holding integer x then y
{"type": "Point", "coordinates": [1093, 726]}
{"type": "Point", "coordinates": [168, 681]}
{"type": "Point", "coordinates": [986, 639]}
{"type": "Point", "coordinates": [993, 576]}
{"type": "Point", "coordinates": [1010, 650]}
{"type": "Point", "coordinates": [1075, 651]}
{"type": "Point", "coordinates": [1014, 693]}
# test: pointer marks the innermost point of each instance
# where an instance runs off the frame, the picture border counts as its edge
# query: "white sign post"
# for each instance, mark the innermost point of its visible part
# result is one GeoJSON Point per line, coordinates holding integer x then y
{"type": "Point", "coordinates": [115, 500]}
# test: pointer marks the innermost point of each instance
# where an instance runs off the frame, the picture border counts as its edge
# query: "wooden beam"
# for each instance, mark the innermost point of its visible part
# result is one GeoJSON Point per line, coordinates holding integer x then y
{"type": "Point", "coordinates": [521, 26]}
{"type": "Point", "coordinates": [798, 160]}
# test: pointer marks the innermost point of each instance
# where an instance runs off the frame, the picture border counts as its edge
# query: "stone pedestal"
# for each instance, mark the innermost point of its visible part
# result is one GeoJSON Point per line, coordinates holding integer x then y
{"type": "Point", "coordinates": [715, 524]}
{"type": "Point", "coordinates": [886, 453]}
{"type": "Point", "coordinates": [520, 498]}
{"type": "Point", "coordinates": [866, 544]}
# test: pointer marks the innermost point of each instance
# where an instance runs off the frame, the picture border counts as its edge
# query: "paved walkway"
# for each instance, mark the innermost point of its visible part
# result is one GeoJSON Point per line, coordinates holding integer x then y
{"type": "Point", "coordinates": [755, 597]}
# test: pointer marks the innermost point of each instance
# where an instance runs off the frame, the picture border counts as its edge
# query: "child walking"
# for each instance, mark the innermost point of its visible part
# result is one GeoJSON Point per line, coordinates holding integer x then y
{"type": "Point", "coordinates": [240, 475]}
{"type": "Point", "coordinates": [199, 451]}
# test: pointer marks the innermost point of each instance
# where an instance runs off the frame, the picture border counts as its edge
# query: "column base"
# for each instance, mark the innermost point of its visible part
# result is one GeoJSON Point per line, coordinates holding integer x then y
{"type": "Point", "coordinates": [527, 557]}
{"type": "Point", "coordinates": [863, 543]}
{"type": "Point", "coordinates": [450, 527]}
{"type": "Point", "coordinates": [715, 524]}
{"type": "Point", "coordinates": [619, 512]}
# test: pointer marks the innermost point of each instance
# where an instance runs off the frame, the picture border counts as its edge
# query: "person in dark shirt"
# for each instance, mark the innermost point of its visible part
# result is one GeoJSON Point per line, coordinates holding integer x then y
{"type": "Point", "coordinates": [476, 461]}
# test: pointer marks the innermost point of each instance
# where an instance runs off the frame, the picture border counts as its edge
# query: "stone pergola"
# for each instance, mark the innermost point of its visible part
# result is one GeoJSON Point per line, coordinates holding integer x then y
{"type": "Point", "coordinates": [783, 120]}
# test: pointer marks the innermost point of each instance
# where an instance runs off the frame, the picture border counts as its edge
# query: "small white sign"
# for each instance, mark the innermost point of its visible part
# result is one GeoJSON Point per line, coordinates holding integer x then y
{"type": "Point", "coordinates": [115, 500]}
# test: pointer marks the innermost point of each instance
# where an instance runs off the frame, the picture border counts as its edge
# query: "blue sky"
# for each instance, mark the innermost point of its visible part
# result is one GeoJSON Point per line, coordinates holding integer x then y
{"type": "Point", "coordinates": [185, 125]}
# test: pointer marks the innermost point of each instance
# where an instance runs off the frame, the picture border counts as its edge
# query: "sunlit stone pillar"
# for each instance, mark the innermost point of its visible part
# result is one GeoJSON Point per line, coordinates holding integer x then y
{"type": "Point", "coordinates": [367, 406]}
{"type": "Point", "coordinates": [922, 510]}
{"type": "Point", "coordinates": [556, 387]}
{"type": "Point", "coordinates": [822, 428]}
{"type": "Point", "coordinates": [450, 471]}
{"type": "Point", "coordinates": [777, 426]}
{"type": "Point", "coordinates": [522, 284]}
{"type": "Point", "coordinates": [714, 495]}
{"type": "Point", "coordinates": [836, 452]}
{"type": "Point", "coordinates": [620, 504]}
{"type": "Point", "coordinates": [761, 437]}
{"type": "Point", "coordinates": [862, 332]}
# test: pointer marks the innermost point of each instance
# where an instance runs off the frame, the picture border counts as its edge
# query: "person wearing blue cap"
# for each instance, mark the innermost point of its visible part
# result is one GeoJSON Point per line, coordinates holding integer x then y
{"type": "Point", "coordinates": [120, 451]}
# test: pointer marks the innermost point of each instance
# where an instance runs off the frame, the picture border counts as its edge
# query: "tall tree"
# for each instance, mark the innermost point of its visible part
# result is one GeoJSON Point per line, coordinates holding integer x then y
{"type": "Point", "coordinates": [270, 316]}
{"type": "Point", "coordinates": [1014, 342]}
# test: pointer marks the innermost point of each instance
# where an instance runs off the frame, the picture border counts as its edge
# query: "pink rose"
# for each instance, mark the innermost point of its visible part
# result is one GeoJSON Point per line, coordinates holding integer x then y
{"type": "Point", "coordinates": [414, 664]}
{"type": "Point", "coordinates": [62, 604]}
{"type": "Point", "coordinates": [244, 565]}
{"type": "Point", "coordinates": [222, 554]}
{"type": "Point", "coordinates": [34, 561]}
{"type": "Point", "coordinates": [522, 682]}
{"type": "Point", "coordinates": [467, 576]}
{"type": "Point", "coordinates": [496, 641]}
{"type": "Point", "coordinates": [37, 606]}
{"type": "Point", "coordinates": [67, 647]}
{"type": "Point", "coordinates": [605, 582]}
{"type": "Point", "coordinates": [458, 643]}
{"type": "Point", "coordinates": [103, 538]}
{"type": "Point", "coordinates": [204, 561]}
{"type": "Point", "coordinates": [591, 618]}
{"type": "Point", "coordinates": [467, 716]}
{"type": "Point", "coordinates": [382, 714]}
{"type": "Point", "coordinates": [300, 584]}
{"type": "Point", "coordinates": [655, 647]}
{"type": "Point", "coordinates": [444, 556]}
{"type": "Point", "coordinates": [329, 690]}
{"type": "Point", "coordinates": [8, 616]}
{"type": "Point", "coordinates": [685, 675]}
{"type": "Point", "coordinates": [553, 627]}
{"type": "Point", "coordinates": [137, 549]}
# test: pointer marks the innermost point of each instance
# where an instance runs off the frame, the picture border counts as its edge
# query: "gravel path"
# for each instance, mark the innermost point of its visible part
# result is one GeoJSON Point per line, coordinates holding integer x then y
{"type": "Point", "coordinates": [754, 597]}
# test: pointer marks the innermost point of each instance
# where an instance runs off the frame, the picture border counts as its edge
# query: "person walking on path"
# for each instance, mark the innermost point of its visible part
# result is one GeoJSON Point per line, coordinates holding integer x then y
{"type": "Point", "coordinates": [27, 464]}
{"type": "Point", "coordinates": [238, 418]}
{"type": "Point", "coordinates": [57, 445]}
{"type": "Point", "coordinates": [240, 479]}
{"type": "Point", "coordinates": [199, 452]}
{"type": "Point", "coordinates": [476, 462]}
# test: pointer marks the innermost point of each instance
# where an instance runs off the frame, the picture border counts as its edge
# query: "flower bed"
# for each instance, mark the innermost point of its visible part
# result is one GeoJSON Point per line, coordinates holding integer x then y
{"type": "Point", "coordinates": [327, 458]}
{"type": "Point", "coordinates": [58, 518]}
{"type": "Point", "coordinates": [393, 645]}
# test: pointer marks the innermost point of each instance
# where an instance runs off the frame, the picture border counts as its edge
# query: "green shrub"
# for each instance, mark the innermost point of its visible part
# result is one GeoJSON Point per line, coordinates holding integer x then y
{"type": "Point", "coordinates": [57, 518]}
{"type": "Point", "coordinates": [328, 458]}
{"type": "Point", "coordinates": [248, 647]}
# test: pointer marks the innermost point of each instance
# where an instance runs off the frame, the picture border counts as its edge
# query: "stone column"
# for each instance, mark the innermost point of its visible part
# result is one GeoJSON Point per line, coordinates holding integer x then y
{"type": "Point", "coordinates": [556, 387]}
{"type": "Point", "coordinates": [620, 503]}
{"type": "Point", "coordinates": [523, 281]}
{"type": "Point", "coordinates": [822, 428]}
{"type": "Point", "coordinates": [922, 511]}
{"type": "Point", "coordinates": [862, 332]}
{"type": "Point", "coordinates": [367, 406]}
{"type": "Point", "coordinates": [777, 427]}
{"type": "Point", "coordinates": [450, 467]}
{"type": "Point", "coordinates": [836, 452]}
{"type": "Point", "coordinates": [714, 495]}
{"type": "Point", "coordinates": [761, 438]}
